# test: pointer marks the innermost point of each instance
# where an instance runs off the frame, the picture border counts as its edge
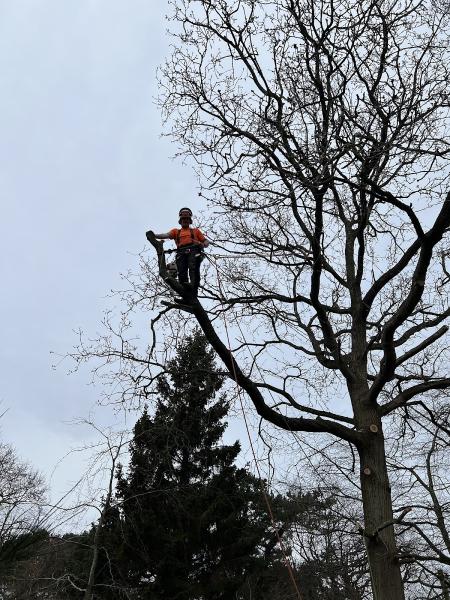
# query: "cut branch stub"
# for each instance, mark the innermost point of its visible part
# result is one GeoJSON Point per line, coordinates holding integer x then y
{"type": "Point", "coordinates": [162, 267]}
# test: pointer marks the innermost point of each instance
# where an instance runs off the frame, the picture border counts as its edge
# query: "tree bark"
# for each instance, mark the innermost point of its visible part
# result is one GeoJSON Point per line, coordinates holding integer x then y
{"type": "Point", "coordinates": [379, 536]}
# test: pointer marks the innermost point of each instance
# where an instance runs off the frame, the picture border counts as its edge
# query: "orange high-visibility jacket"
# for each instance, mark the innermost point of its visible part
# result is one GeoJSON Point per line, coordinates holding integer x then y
{"type": "Point", "coordinates": [185, 237]}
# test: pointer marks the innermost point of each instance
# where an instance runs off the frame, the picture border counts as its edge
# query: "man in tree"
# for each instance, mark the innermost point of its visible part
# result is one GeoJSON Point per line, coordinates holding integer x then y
{"type": "Point", "coordinates": [190, 242]}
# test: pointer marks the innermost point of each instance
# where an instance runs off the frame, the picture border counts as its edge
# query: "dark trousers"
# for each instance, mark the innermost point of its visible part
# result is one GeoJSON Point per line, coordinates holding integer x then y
{"type": "Point", "coordinates": [188, 266]}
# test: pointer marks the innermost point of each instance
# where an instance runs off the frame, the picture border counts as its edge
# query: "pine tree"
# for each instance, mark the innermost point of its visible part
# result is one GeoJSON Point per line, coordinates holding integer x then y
{"type": "Point", "coordinates": [193, 522]}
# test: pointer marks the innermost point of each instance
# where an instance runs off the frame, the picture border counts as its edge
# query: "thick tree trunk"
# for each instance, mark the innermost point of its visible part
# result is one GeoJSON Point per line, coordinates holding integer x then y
{"type": "Point", "coordinates": [380, 542]}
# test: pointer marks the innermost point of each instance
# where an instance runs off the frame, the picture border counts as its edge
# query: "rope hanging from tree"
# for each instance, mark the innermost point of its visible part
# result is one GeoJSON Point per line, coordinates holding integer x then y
{"type": "Point", "coordinates": [193, 306]}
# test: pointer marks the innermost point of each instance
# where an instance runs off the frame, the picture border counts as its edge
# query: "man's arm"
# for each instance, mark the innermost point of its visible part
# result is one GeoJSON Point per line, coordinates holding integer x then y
{"type": "Point", "coordinates": [159, 236]}
{"type": "Point", "coordinates": [204, 244]}
{"type": "Point", "coordinates": [202, 240]}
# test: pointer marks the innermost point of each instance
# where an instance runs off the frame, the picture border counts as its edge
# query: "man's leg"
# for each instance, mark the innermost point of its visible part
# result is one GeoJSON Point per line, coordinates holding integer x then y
{"type": "Point", "coordinates": [195, 260]}
{"type": "Point", "coordinates": [182, 260]}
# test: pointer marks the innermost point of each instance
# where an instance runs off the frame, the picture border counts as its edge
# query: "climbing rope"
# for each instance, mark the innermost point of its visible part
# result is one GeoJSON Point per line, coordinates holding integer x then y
{"type": "Point", "coordinates": [247, 427]}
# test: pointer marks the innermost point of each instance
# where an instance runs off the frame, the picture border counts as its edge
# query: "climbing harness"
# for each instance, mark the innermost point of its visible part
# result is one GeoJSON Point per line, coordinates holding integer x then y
{"type": "Point", "coordinates": [195, 250]}
{"type": "Point", "coordinates": [172, 268]}
{"type": "Point", "coordinates": [247, 427]}
{"type": "Point", "coordinates": [187, 249]}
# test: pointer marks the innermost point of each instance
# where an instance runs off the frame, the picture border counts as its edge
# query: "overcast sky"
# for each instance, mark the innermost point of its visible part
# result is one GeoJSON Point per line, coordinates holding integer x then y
{"type": "Point", "coordinates": [83, 174]}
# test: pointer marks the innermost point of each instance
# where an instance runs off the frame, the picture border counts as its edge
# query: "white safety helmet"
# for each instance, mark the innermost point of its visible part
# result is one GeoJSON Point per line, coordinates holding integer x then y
{"type": "Point", "coordinates": [185, 213]}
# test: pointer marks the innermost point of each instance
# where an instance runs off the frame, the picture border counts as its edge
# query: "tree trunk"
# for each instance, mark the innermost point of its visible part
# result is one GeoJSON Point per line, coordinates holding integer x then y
{"type": "Point", "coordinates": [444, 584]}
{"type": "Point", "coordinates": [88, 593]}
{"type": "Point", "coordinates": [380, 543]}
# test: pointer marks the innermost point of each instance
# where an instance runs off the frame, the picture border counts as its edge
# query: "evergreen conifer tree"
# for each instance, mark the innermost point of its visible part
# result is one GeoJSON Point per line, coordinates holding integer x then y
{"type": "Point", "coordinates": [193, 523]}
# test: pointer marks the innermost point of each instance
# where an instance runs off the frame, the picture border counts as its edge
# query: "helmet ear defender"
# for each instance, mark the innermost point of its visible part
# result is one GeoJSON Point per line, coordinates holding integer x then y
{"type": "Point", "coordinates": [185, 212]}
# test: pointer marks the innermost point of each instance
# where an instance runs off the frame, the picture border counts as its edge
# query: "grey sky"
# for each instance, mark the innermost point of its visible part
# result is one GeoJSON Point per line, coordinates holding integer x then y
{"type": "Point", "coordinates": [83, 174]}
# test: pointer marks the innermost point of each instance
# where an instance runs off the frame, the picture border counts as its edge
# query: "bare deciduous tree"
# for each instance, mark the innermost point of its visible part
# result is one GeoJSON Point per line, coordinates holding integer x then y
{"type": "Point", "coordinates": [22, 510]}
{"type": "Point", "coordinates": [22, 496]}
{"type": "Point", "coordinates": [320, 132]}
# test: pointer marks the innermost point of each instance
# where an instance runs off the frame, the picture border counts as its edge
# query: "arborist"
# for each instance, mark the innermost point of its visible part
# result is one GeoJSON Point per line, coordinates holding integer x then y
{"type": "Point", "coordinates": [190, 242]}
